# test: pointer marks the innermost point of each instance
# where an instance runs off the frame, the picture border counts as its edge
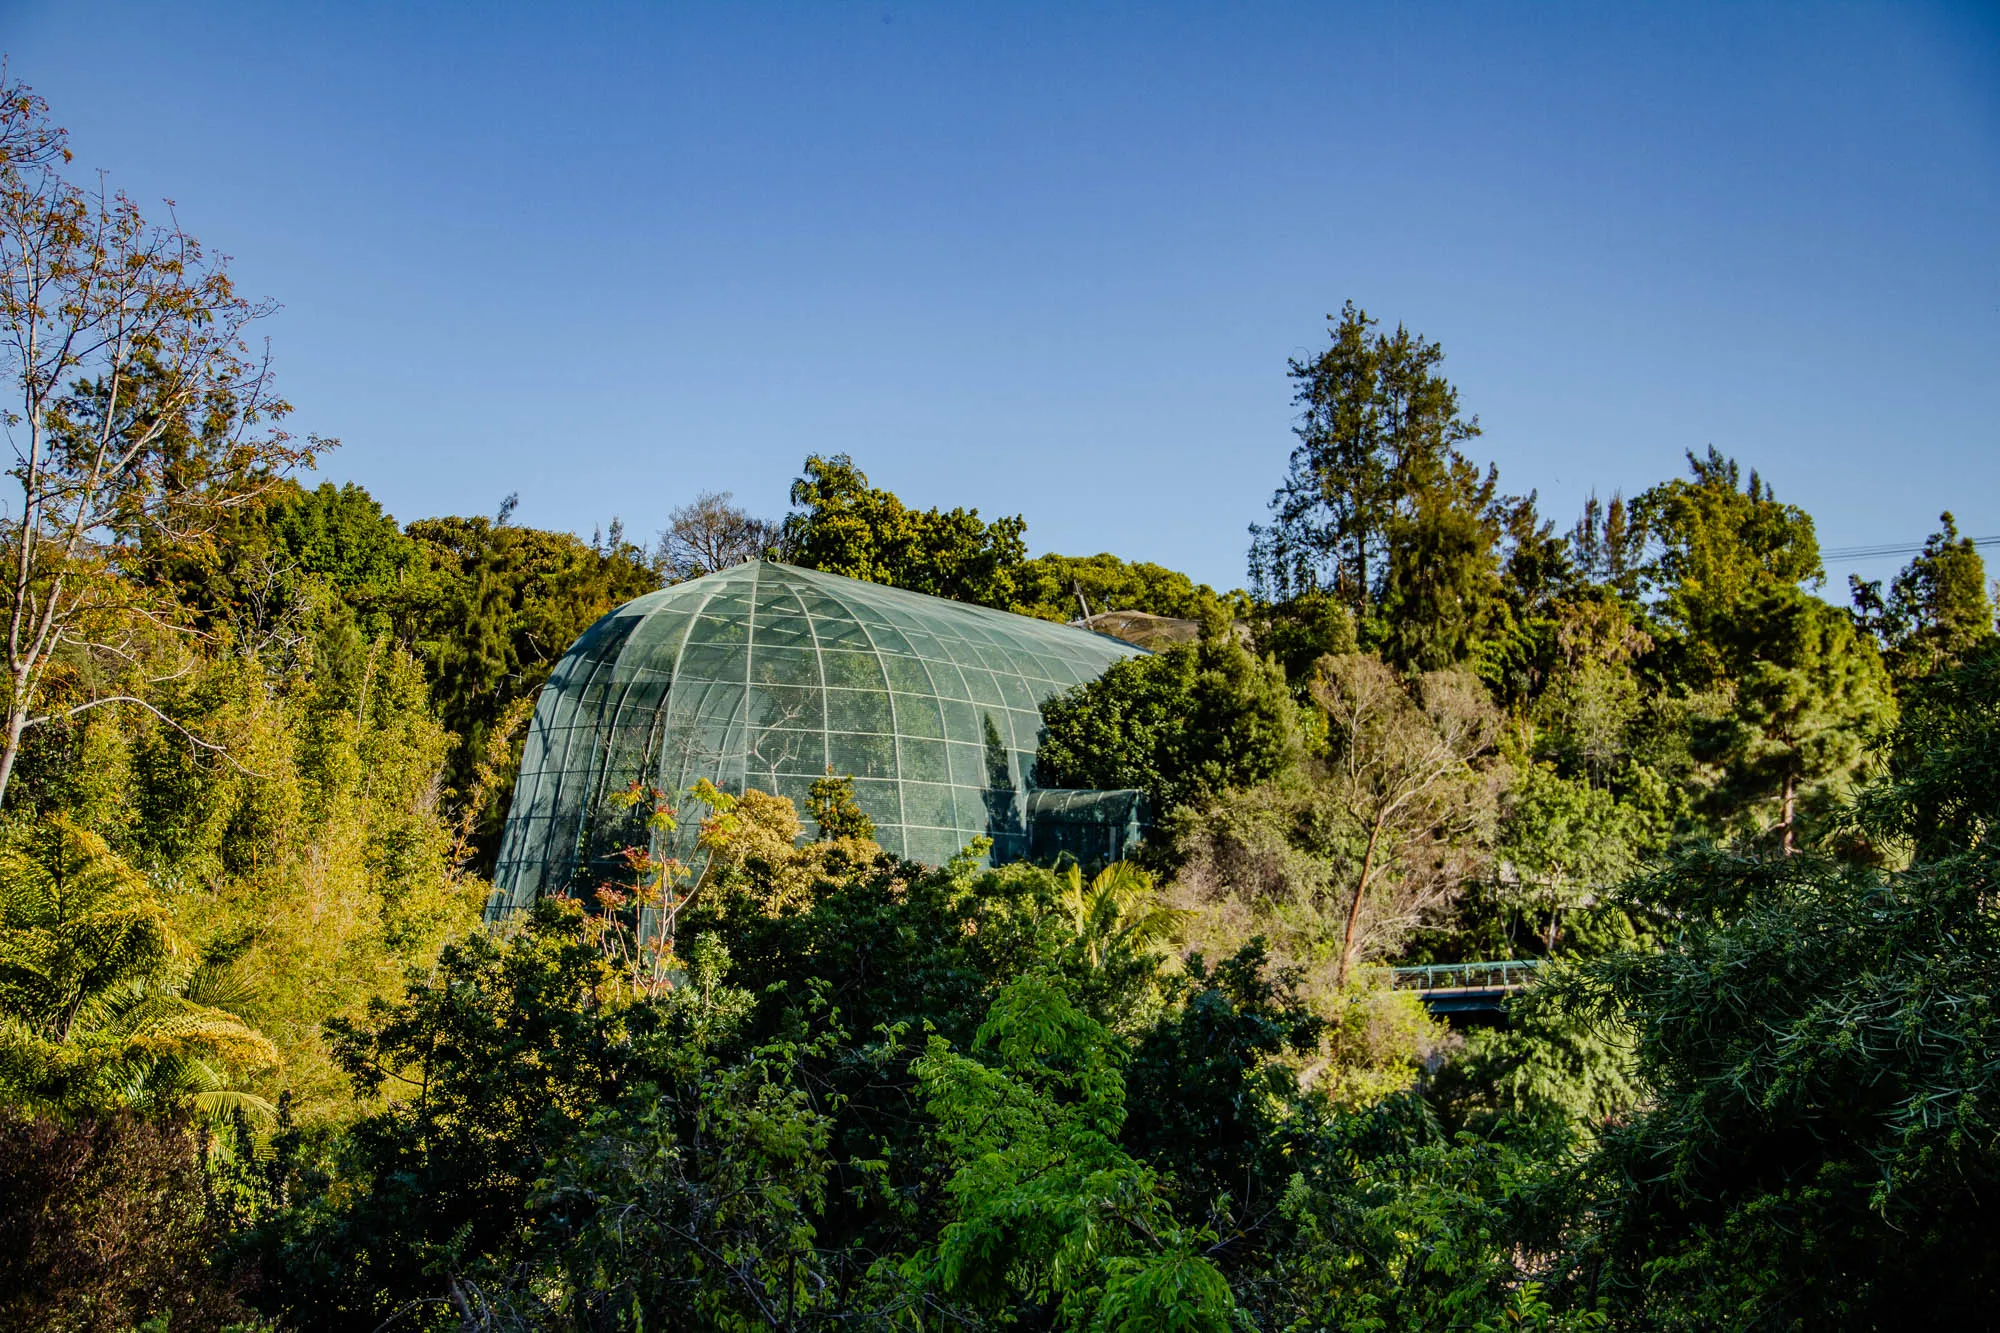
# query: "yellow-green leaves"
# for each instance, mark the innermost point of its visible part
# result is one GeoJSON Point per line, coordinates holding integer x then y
{"type": "Point", "coordinates": [1118, 911]}
{"type": "Point", "coordinates": [100, 997]}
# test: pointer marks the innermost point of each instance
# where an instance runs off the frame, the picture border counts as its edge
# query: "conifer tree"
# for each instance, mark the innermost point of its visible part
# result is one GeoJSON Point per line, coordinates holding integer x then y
{"type": "Point", "coordinates": [1379, 507]}
{"type": "Point", "coordinates": [1715, 544]}
{"type": "Point", "coordinates": [1811, 696]}
{"type": "Point", "coordinates": [1937, 610]}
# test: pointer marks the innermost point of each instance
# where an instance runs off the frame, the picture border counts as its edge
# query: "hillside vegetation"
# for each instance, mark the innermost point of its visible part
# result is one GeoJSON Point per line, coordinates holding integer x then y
{"type": "Point", "coordinates": [263, 1067]}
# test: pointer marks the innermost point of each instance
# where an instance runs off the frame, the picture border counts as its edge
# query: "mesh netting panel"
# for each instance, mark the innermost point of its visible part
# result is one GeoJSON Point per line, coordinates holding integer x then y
{"type": "Point", "coordinates": [1095, 827]}
{"type": "Point", "coordinates": [768, 676]}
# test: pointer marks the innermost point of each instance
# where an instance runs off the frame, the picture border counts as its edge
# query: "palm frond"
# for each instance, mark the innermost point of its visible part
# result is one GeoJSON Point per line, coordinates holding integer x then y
{"type": "Point", "coordinates": [221, 1103]}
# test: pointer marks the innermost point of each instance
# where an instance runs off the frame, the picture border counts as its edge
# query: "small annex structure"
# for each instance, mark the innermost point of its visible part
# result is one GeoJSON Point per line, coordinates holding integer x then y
{"type": "Point", "coordinates": [768, 676]}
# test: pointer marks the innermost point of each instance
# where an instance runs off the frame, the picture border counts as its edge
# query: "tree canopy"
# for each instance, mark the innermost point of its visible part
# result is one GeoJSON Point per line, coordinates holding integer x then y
{"type": "Point", "coordinates": [263, 1065]}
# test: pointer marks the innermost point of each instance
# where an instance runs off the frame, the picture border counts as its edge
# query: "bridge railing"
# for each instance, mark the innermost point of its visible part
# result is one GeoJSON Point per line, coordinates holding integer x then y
{"type": "Point", "coordinates": [1509, 974]}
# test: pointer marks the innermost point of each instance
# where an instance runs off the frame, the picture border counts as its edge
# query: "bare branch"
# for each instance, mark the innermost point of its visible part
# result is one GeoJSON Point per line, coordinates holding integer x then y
{"type": "Point", "coordinates": [64, 714]}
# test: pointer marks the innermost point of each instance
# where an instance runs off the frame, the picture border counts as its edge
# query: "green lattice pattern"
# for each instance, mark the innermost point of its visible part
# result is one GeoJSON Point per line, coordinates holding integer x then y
{"type": "Point", "coordinates": [768, 676]}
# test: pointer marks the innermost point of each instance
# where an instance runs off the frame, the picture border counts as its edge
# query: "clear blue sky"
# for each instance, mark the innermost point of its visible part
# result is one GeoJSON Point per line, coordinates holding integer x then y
{"type": "Point", "coordinates": [1052, 259]}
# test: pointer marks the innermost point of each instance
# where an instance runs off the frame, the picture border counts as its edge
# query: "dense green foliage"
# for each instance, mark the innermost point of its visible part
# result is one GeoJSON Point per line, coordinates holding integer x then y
{"type": "Point", "coordinates": [843, 525]}
{"type": "Point", "coordinates": [1050, 586]}
{"type": "Point", "coordinates": [484, 605]}
{"type": "Point", "coordinates": [1819, 1048]}
{"type": "Point", "coordinates": [1191, 719]}
{"type": "Point", "coordinates": [875, 1093]}
{"type": "Point", "coordinates": [1938, 609]}
{"type": "Point", "coordinates": [261, 1066]}
{"type": "Point", "coordinates": [1381, 509]}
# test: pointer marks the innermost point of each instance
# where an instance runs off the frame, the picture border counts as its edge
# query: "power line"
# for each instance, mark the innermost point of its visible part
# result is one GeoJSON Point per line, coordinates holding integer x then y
{"type": "Point", "coordinates": [1891, 549]}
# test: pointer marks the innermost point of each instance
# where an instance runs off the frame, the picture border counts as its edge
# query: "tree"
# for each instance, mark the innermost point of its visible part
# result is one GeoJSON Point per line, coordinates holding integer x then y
{"type": "Point", "coordinates": [1819, 1144]}
{"type": "Point", "coordinates": [1540, 569]}
{"type": "Point", "coordinates": [1390, 1224]}
{"type": "Point", "coordinates": [710, 534]}
{"type": "Point", "coordinates": [842, 525]}
{"type": "Point", "coordinates": [1214, 1099]}
{"type": "Point", "coordinates": [100, 1006]}
{"type": "Point", "coordinates": [1548, 1073]}
{"type": "Point", "coordinates": [106, 1226]}
{"type": "Point", "coordinates": [1443, 590]}
{"type": "Point", "coordinates": [1299, 632]}
{"type": "Point", "coordinates": [1403, 774]}
{"type": "Point", "coordinates": [139, 416]}
{"type": "Point", "coordinates": [501, 1053]}
{"type": "Point", "coordinates": [1377, 463]}
{"type": "Point", "coordinates": [1191, 718]}
{"type": "Point", "coordinates": [830, 801]}
{"type": "Point", "coordinates": [506, 602]}
{"type": "Point", "coordinates": [1564, 842]}
{"type": "Point", "coordinates": [1714, 544]}
{"type": "Point", "coordinates": [701, 1206]}
{"type": "Point", "coordinates": [278, 564]}
{"type": "Point", "coordinates": [1049, 586]}
{"type": "Point", "coordinates": [1046, 1210]}
{"type": "Point", "coordinates": [1117, 913]}
{"type": "Point", "coordinates": [1584, 714]}
{"type": "Point", "coordinates": [1941, 793]}
{"type": "Point", "coordinates": [1606, 547]}
{"type": "Point", "coordinates": [1811, 695]}
{"type": "Point", "coordinates": [1937, 610]}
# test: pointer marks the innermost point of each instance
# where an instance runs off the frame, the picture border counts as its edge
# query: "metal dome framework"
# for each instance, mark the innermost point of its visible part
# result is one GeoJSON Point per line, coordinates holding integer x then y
{"type": "Point", "coordinates": [770, 676]}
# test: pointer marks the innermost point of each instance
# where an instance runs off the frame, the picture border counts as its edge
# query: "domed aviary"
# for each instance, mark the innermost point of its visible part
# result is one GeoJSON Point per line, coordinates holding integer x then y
{"type": "Point", "coordinates": [768, 676]}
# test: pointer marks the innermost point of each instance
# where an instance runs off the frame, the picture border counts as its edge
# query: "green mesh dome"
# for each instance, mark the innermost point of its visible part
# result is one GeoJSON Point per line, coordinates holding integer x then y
{"type": "Point", "coordinates": [768, 676]}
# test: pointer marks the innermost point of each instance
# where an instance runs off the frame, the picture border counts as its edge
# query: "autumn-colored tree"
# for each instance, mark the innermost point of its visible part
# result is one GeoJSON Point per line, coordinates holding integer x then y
{"type": "Point", "coordinates": [137, 413]}
{"type": "Point", "coordinates": [107, 1225]}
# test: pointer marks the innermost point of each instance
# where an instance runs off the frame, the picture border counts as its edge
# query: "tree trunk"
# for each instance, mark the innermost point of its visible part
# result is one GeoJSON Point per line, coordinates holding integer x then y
{"type": "Point", "coordinates": [1354, 905]}
{"type": "Point", "coordinates": [10, 749]}
{"type": "Point", "coordinates": [1791, 806]}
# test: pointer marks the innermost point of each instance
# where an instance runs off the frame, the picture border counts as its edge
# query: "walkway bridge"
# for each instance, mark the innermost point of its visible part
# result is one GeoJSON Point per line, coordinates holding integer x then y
{"type": "Point", "coordinates": [1449, 989]}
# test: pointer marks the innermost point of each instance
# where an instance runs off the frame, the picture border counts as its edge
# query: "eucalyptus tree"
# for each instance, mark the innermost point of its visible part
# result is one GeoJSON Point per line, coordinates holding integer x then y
{"type": "Point", "coordinates": [1408, 776]}
{"type": "Point", "coordinates": [137, 413]}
